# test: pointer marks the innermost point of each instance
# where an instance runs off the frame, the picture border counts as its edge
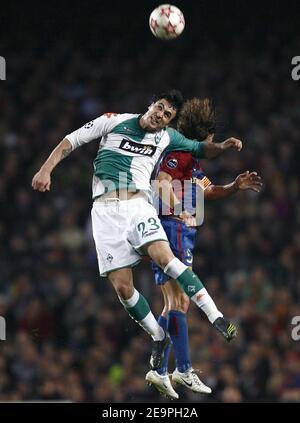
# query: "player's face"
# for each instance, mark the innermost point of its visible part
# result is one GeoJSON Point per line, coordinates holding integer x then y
{"type": "Point", "coordinates": [158, 116]}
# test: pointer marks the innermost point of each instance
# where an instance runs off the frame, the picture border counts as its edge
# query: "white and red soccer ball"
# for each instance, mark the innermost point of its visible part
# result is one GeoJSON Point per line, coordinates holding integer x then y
{"type": "Point", "coordinates": [166, 22]}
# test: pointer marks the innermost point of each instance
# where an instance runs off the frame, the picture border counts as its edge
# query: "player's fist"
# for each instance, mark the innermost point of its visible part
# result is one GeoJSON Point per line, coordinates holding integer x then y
{"type": "Point", "coordinates": [233, 143]}
{"type": "Point", "coordinates": [41, 181]}
{"type": "Point", "coordinates": [188, 218]}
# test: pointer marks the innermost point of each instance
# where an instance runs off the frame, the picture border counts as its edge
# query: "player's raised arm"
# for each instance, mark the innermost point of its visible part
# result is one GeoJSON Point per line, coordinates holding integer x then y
{"type": "Point", "coordinates": [87, 133]}
{"type": "Point", "coordinates": [201, 149]}
{"type": "Point", "coordinates": [42, 179]}
{"type": "Point", "coordinates": [212, 150]}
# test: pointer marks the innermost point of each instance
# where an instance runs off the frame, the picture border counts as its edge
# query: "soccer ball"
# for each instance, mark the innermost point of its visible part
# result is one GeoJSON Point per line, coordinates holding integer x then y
{"type": "Point", "coordinates": [166, 22]}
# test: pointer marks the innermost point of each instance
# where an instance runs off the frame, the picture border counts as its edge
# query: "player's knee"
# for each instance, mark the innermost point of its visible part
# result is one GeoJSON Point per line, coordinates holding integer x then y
{"type": "Point", "coordinates": [123, 287]}
{"type": "Point", "coordinates": [124, 291]}
{"type": "Point", "coordinates": [180, 302]}
{"type": "Point", "coordinates": [164, 259]}
{"type": "Point", "coordinates": [184, 302]}
{"type": "Point", "coordinates": [161, 253]}
{"type": "Point", "coordinates": [165, 310]}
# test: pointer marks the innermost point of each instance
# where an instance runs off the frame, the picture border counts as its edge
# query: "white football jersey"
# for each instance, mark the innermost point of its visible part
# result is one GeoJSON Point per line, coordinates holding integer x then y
{"type": "Point", "coordinates": [127, 153]}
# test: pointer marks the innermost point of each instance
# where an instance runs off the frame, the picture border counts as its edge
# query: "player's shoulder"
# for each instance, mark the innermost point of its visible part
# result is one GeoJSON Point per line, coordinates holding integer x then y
{"type": "Point", "coordinates": [120, 117]}
{"type": "Point", "coordinates": [110, 120]}
{"type": "Point", "coordinates": [172, 132]}
{"type": "Point", "coordinates": [182, 156]}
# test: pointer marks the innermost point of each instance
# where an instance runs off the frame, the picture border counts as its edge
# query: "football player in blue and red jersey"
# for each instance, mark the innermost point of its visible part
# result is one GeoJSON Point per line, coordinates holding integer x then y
{"type": "Point", "coordinates": [197, 120]}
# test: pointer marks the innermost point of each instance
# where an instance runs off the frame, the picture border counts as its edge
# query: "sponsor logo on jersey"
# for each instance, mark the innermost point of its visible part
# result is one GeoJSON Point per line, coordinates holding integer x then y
{"type": "Point", "coordinates": [137, 148]}
{"type": "Point", "coordinates": [149, 234]}
{"type": "Point", "coordinates": [172, 163]}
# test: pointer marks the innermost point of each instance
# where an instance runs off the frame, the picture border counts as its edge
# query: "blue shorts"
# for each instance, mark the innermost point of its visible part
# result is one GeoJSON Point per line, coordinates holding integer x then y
{"type": "Point", "coordinates": [182, 242]}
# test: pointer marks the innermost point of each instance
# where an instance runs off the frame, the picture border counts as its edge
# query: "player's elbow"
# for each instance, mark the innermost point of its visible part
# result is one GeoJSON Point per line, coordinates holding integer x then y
{"type": "Point", "coordinates": [210, 193]}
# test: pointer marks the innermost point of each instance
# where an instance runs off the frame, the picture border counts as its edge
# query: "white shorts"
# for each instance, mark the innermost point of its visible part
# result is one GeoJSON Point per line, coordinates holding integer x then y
{"type": "Point", "coordinates": [120, 229]}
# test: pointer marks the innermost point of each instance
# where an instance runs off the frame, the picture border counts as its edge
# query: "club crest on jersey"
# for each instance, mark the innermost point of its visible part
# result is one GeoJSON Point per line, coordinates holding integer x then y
{"type": "Point", "coordinates": [172, 163]}
{"type": "Point", "coordinates": [191, 288]}
{"type": "Point", "coordinates": [137, 148]}
{"type": "Point", "coordinates": [109, 258]}
{"type": "Point", "coordinates": [157, 138]}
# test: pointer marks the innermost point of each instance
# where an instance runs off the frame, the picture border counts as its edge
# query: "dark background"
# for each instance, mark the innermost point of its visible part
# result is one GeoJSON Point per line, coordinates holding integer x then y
{"type": "Point", "coordinates": [68, 337]}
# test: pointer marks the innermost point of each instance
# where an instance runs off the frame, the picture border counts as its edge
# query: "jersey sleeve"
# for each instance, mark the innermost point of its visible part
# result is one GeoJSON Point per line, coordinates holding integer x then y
{"type": "Point", "coordinates": [175, 164]}
{"type": "Point", "coordinates": [179, 142]}
{"type": "Point", "coordinates": [93, 130]}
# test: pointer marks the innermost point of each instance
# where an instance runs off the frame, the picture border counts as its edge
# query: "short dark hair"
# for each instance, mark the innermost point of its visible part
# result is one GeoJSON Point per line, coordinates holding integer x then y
{"type": "Point", "coordinates": [174, 97]}
{"type": "Point", "coordinates": [197, 119]}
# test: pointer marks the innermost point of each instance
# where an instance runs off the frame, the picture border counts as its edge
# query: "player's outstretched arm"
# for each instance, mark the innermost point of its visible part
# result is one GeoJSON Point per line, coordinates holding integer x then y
{"type": "Point", "coordinates": [42, 179]}
{"type": "Point", "coordinates": [244, 181]}
{"type": "Point", "coordinates": [212, 150]}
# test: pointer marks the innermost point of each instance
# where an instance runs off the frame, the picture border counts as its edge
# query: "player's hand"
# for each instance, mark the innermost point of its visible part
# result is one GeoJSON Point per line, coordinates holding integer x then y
{"type": "Point", "coordinates": [41, 181]}
{"type": "Point", "coordinates": [188, 218]}
{"type": "Point", "coordinates": [233, 143]}
{"type": "Point", "coordinates": [249, 180]}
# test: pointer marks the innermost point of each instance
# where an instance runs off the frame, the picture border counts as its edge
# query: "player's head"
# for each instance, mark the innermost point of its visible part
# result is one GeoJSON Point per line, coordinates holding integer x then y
{"type": "Point", "coordinates": [197, 119]}
{"type": "Point", "coordinates": [163, 109]}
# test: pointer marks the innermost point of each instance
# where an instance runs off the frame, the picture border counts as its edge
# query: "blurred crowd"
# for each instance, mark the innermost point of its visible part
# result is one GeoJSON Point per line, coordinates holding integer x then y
{"type": "Point", "coordinates": [68, 337]}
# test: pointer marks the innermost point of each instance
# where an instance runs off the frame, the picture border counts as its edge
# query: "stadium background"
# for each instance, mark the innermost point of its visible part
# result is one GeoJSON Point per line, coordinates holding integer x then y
{"type": "Point", "coordinates": [68, 338]}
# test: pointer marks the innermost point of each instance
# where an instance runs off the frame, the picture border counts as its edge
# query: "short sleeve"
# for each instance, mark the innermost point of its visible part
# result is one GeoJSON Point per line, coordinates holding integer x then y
{"type": "Point", "coordinates": [179, 142]}
{"type": "Point", "coordinates": [93, 130]}
{"type": "Point", "coordinates": [176, 164]}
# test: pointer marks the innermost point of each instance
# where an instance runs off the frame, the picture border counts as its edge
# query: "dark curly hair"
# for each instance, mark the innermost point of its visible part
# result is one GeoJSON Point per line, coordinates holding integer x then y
{"type": "Point", "coordinates": [174, 97]}
{"type": "Point", "coordinates": [197, 119]}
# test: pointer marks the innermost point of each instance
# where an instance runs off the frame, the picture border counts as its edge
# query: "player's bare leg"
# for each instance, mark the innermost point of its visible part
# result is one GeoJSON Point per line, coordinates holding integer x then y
{"type": "Point", "coordinates": [161, 253]}
{"type": "Point", "coordinates": [138, 309]}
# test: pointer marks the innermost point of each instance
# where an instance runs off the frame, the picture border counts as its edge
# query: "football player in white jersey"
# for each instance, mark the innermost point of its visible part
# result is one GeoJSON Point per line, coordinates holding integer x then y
{"type": "Point", "coordinates": [125, 224]}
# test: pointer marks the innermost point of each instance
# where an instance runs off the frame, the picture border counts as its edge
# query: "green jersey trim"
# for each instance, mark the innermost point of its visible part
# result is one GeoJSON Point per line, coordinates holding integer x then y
{"type": "Point", "coordinates": [104, 274]}
{"type": "Point", "coordinates": [131, 128]}
{"type": "Point", "coordinates": [115, 168]}
{"type": "Point", "coordinates": [139, 249]}
{"type": "Point", "coordinates": [179, 142]}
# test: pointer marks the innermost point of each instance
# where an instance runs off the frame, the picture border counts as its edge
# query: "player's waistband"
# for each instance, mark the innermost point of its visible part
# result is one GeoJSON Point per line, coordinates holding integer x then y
{"type": "Point", "coordinates": [120, 195]}
{"type": "Point", "coordinates": [170, 217]}
{"type": "Point", "coordinates": [177, 219]}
